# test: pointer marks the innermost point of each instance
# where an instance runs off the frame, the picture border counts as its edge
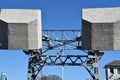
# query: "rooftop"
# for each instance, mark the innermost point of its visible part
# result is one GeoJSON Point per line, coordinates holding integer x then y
{"type": "Point", "coordinates": [115, 63]}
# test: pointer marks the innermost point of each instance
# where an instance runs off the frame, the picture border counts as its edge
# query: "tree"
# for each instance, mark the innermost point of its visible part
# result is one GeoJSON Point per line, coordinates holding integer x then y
{"type": "Point", "coordinates": [44, 78]}
{"type": "Point", "coordinates": [54, 77]}
{"type": "Point", "coordinates": [50, 77]}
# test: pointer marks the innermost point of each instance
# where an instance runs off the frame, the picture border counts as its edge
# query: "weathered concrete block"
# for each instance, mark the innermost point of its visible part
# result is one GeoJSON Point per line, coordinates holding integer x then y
{"type": "Point", "coordinates": [101, 29]}
{"type": "Point", "coordinates": [20, 29]}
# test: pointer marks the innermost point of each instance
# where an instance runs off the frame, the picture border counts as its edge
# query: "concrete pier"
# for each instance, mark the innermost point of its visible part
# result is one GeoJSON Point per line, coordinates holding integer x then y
{"type": "Point", "coordinates": [20, 29]}
{"type": "Point", "coordinates": [101, 29]}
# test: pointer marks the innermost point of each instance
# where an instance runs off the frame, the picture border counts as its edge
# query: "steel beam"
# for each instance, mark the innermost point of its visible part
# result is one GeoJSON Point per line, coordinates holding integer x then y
{"type": "Point", "coordinates": [37, 58]}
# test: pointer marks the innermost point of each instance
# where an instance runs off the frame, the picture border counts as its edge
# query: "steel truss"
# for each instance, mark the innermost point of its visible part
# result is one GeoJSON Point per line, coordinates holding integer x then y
{"type": "Point", "coordinates": [37, 58]}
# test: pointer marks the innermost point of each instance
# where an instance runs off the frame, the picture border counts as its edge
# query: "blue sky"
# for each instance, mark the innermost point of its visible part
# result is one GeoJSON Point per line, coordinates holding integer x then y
{"type": "Point", "coordinates": [56, 14]}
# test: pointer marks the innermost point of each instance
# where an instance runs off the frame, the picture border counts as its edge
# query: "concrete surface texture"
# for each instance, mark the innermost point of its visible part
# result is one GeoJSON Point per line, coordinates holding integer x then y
{"type": "Point", "coordinates": [20, 29]}
{"type": "Point", "coordinates": [101, 29]}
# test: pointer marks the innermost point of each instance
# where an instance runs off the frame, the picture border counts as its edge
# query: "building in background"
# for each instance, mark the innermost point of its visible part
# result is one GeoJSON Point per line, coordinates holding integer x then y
{"type": "Point", "coordinates": [113, 70]}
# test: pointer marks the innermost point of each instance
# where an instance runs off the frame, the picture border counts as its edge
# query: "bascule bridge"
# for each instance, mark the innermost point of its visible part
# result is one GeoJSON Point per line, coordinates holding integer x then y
{"type": "Point", "coordinates": [21, 29]}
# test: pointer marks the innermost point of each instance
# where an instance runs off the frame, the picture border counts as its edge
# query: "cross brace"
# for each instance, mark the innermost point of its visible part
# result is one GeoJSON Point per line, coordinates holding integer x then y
{"type": "Point", "coordinates": [64, 60]}
{"type": "Point", "coordinates": [38, 60]}
{"type": "Point", "coordinates": [55, 39]}
{"type": "Point", "coordinates": [65, 39]}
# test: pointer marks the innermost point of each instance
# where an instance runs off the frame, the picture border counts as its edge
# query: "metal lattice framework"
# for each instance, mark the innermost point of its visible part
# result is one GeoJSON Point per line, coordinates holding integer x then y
{"type": "Point", "coordinates": [67, 40]}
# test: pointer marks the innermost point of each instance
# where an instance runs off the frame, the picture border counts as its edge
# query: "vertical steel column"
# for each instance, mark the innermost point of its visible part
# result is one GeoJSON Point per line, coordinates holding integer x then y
{"type": "Point", "coordinates": [94, 58]}
{"type": "Point", "coordinates": [34, 58]}
{"type": "Point", "coordinates": [96, 65]}
{"type": "Point", "coordinates": [31, 73]}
